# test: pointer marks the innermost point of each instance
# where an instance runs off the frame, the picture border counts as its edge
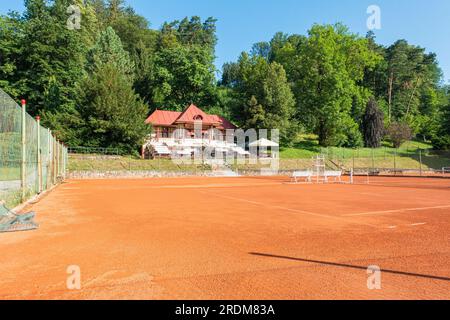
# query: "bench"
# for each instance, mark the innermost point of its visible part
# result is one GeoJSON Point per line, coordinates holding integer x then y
{"type": "Point", "coordinates": [307, 175]}
{"type": "Point", "coordinates": [333, 174]}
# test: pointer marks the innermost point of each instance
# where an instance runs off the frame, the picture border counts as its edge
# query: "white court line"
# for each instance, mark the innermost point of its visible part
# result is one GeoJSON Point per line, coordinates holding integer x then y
{"type": "Point", "coordinates": [216, 185]}
{"type": "Point", "coordinates": [418, 224]}
{"type": "Point", "coordinates": [394, 211]}
{"type": "Point", "coordinates": [288, 209]}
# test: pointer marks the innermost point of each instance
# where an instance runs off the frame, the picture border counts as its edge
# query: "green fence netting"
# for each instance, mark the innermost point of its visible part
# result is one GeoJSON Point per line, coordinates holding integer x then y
{"type": "Point", "coordinates": [31, 160]}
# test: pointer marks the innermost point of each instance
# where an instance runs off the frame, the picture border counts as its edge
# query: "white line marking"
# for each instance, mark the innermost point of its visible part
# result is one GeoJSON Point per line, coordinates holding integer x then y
{"type": "Point", "coordinates": [418, 224]}
{"type": "Point", "coordinates": [394, 211]}
{"type": "Point", "coordinates": [287, 209]}
{"type": "Point", "coordinates": [392, 227]}
{"type": "Point", "coordinates": [211, 186]}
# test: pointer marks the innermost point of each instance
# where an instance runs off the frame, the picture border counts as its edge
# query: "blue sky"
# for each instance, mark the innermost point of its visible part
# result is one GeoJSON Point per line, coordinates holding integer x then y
{"type": "Point", "coordinates": [244, 22]}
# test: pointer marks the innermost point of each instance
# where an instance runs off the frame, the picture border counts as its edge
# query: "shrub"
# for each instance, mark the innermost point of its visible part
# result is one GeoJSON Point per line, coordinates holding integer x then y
{"type": "Point", "coordinates": [399, 132]}
{"type": "Point", "coordinates": [441, 142]}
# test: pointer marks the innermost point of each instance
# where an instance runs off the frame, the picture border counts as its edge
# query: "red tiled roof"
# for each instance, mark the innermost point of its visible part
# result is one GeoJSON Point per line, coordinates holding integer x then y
{"type": "Point", "coordinates": [163, 118]}
{"type": "Point", "coordinates": [226, 124]}
{"type": "Point", "coordinates": [168, 118]}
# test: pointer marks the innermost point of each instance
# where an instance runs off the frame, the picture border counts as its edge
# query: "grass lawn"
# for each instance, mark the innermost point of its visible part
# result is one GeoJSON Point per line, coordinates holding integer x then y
{"type": "Point", "coordinates": [408, 156]}
{"type": "Point", "coordinates": [118, 163]}
{"type": "Point", "coordinates": [308, 146]}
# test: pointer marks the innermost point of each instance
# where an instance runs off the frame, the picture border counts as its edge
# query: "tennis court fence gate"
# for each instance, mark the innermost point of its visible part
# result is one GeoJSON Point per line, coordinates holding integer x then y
{"type": "Point", "coordinates": [32, 160]}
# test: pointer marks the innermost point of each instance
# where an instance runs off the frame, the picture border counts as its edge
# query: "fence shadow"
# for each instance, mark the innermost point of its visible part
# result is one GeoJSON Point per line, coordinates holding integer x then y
{"type": "Point", "coordinates": [344, 265]}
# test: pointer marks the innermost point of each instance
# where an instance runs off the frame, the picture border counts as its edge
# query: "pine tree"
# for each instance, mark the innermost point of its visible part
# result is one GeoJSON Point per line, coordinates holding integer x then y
{"type": "Point", "coordinates": [113, 113]}
{"type": "Point", "coordinates": [255, 114]}
{"type": "Point", "coordinates": [109, 50]}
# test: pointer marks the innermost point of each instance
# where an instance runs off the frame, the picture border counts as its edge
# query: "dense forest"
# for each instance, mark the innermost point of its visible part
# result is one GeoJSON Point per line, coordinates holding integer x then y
{"type": "Point", "coordinates": [94, 86]}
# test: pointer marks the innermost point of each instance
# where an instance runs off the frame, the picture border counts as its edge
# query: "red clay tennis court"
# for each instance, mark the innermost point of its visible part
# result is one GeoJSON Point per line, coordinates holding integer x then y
{"type": "Point", "coordinates": [234, 238]}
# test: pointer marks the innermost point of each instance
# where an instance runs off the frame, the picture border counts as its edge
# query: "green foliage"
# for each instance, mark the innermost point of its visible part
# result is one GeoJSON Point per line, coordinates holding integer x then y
{"type": "Point", "coordinates": [11, 32]}
{"type": "Point", "coordinates": [441, 140]}
{"type": "Point", "coordinates": [331, 66]}
{"type": "Point", "coordinates": [183, 70]}
{"type": "Point", "coordinates": [255, 114]}
{"type": "Point", "coordinates": [411, 73]}
{"type": "Point", "coordinates": [265, 99]}
{"type": "Point", "coordinates": [109, 50]}
{"type": "Point", "coordinates": [317, 83]}
{"type": "Point", "coordinates": [183, 75]}
{"type": "Point", "coordinates": [334, 73]}
{"type": "Point", "coordinates": [114, 115]}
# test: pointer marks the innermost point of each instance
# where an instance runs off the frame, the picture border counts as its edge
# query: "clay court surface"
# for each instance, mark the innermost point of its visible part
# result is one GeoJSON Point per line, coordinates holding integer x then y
{"type": "Point", "coordinates": [233, 238]}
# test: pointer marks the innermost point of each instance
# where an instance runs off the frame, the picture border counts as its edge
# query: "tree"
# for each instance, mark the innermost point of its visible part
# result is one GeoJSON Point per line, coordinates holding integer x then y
{"type": "Point", "coordinates": [183, 75]}
{"type": "Point", "coordinates": [184, 70]}
{"type": "Point", "coordinates": [255, 114]}
{"type": "Point", "coordinates": [51, 64]}
{"type": "Point", "coordinates": [441, 140]}
{"type": "Point", "coordinates": [109, 49]}
{"type": "Point", "coordinates": [398, 133]}
{"type": "Point", "coordinates": [113, 113]}
{"type": "Point", "coordinates": [327, 83]}
{"type": "Point", "coordinates": [265, 97]}
{"type": "Point", "coordinates": [11, 34]}
{"type": "Point", "coordinates": [320, 82]}
{"type": "Point", "coordinates": [410, 72]}
{"type": "Point", "coordinates": [230, 74]}
{"type": "Point", "coordinates": [261, 49]}
{"type": "Point", "coordinates": [278, 101]}
{"type": "Point", "coordinates": [132, 29]}
{"type": "Point", "coordinates": [373, 125]}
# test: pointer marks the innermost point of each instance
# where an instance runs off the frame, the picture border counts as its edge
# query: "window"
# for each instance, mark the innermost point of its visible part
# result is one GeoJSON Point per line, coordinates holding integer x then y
{"type": "Point", "coordinates": [198, 118]}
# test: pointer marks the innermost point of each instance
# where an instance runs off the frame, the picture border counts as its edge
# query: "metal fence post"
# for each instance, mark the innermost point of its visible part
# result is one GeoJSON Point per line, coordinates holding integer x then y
{"type": "Point", "coordinates": [53, 161]}
{"type": "Point", "coordinates": [49, 158]}
{"type": "Point", "coordinates": [395, 162]}
{"type": "Point", "coordinates": [57, 159]}
{"type": "Point", "coordinates": [373, 162]}
{"type": "Point", "coordinates": [39, 159]}
{"type": "Point", "coordinates": [64, 162]}
{"type": "Point", "coordinates": [24, 151]}
{"type": "Point", "coordinates": [420, 160]}
{"type": "Point", "coordinates": [353, 167]}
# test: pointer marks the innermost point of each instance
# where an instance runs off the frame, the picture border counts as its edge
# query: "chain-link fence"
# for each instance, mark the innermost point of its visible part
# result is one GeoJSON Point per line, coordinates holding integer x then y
{"type": "Point", "coordinates": [383, 161]}
{"type": "Point", "coordinates": [31, 159]}
{"type": "Point", "coordinates": [425, 162]}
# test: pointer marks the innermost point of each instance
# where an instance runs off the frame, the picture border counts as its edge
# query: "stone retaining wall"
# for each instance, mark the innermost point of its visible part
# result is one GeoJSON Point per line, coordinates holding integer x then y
{"type": "Point", "coordinates": [163, 174]}
{"type": "Point", "coordinates": [130, 174]}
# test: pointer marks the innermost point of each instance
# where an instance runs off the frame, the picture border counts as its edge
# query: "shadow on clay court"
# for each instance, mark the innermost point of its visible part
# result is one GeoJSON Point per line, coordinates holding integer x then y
{"type": "Point", "coordinates": [335, 264]}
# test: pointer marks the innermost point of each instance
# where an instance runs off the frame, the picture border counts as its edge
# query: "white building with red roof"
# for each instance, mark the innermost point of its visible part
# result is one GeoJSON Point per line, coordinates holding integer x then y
{"type": "Point", "coordinates": [166, 122]}
{"type": "Point", "coordinates": [175, 132]}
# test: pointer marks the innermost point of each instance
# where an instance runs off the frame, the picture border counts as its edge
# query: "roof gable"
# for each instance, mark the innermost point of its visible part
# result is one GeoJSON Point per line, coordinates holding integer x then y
{"type": "Point", "coordinates": [191, 114]}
